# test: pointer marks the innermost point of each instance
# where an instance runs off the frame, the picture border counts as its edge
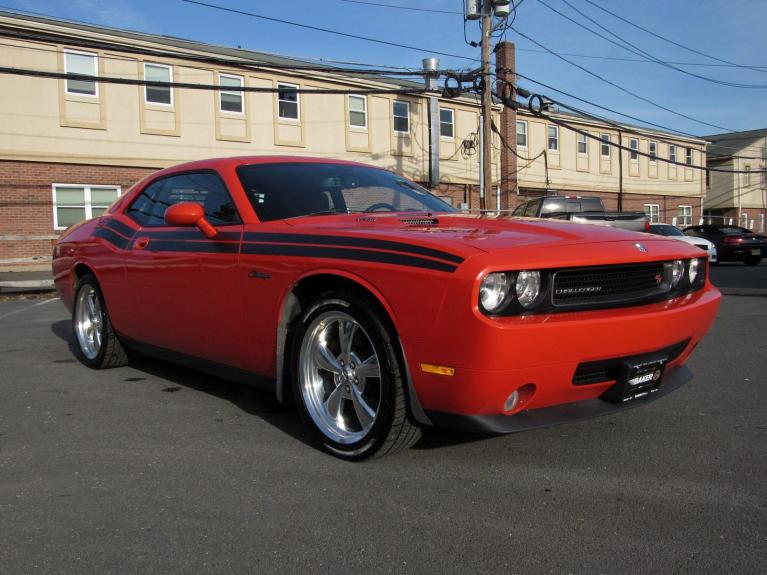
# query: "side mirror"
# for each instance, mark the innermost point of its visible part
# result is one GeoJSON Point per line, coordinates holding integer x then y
{"type": "Point", "coordinates": [187, 214]}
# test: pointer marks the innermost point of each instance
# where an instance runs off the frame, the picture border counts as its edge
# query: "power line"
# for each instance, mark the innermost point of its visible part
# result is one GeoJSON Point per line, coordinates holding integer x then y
{"type": "Point", "coordinates": [327, 30]}
{"type": "Point", "coordinates": [693, 50]}
{"type": "Point", "coordinates": [399, 7]}
{"type": "Point", "coordinates": [195, 86]}
{"type": "Point", "coordinates": [615, 85]}
{"type": "Point", "coordinates": [634, 49]}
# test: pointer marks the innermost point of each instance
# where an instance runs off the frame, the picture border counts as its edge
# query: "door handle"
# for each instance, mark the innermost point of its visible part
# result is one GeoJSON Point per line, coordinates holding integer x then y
{"type": "Point", "coordinates": [140, 243]}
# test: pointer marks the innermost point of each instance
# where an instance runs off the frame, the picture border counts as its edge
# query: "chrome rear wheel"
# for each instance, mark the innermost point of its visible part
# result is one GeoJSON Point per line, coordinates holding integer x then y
{"type": "Point", "coordinates": [89, 321]}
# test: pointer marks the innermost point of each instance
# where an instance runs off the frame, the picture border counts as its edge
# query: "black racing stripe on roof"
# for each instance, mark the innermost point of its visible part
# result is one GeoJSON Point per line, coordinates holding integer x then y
{"type": "Point", "coordinates": [120, 227]}
{"type": "Point", "coordinates": [345, 254]}
{"type": "Point", "coordinates": [113, 238]}
{"type": "Point", "coordinates": [352, 242]}
{"type": "Point", "coordinates": [208, 247]}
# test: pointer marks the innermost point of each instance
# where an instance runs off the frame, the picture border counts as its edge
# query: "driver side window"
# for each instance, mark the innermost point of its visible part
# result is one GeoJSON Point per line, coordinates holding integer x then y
{"type": "Point", "coordinates": [205, 188]}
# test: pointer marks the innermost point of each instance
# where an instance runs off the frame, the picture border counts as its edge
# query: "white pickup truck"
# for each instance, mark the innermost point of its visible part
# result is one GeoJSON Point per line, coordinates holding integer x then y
{"type": "Point", "coordinates": [582, 210]}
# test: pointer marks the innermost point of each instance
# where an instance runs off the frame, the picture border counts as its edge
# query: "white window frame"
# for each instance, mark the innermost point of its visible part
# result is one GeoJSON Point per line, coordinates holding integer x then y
{"type": "Point", "coordinates": [524, 133]}
{"type": "Point", "coordinates": [604, 142]}
{"type": "Point", "coordinates": [364, 98]}
{"type": "Point", "coordinates": [297, 102]}
{"type": "Point", "coordinates": [407, 117]}
{"type": "Point", "coordinates": [688, 156]}
{"type": "Point", "coordinates": [95, 57]}
{"type": "Point", "coordinates": [672, 153]}
{"type": "Point", "coordinates": [231, 93]}
{"type": "Point", "coordinates": [634, 150]}
{"type": "Point", "coordinates": [654, 217]}
{"type": "Point", "coordinates": [86, 200]}
{"type": "Point", "coordinates": [685, 219]}
{"type": "Point", "coordinates": [556, 138]}
{"type": "Point", "coordinates": [653, 151]}
{"type": "Point", "coordinates": [452, 122]}
{"type": "Point", "coordinates": [747, 177]}
{"type": "Point", "coordinates": [582, 138]}
{"type": "Point", "coordinates": [170, 79]}
{"type": "Point", "coordinates": [744, 220]}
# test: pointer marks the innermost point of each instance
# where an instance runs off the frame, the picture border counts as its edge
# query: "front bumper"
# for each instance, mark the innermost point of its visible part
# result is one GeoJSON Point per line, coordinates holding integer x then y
{"type": "Point", "coordinates": [558, 414]}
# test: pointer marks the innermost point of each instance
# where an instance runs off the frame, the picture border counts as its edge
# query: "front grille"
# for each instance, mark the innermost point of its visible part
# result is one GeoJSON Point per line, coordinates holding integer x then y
{"type": "Point", "coordinates": [609, 369]}
{"type": "Point", "coordinates": [618, 284]}
{"type": "Point", "coordinates": [704, 247]}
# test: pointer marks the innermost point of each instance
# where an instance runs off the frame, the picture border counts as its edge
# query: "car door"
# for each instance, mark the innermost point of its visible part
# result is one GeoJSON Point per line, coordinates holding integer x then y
{"type": "Point", "coordinates": [183, 285]}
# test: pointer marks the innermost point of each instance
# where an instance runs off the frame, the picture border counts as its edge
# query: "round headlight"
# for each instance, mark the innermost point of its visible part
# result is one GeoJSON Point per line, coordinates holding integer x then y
{"type": "Point", "coordinates": [694, 264]}
{"type": "Point", "coordinates": [493, 291]}
{"type": "Point", "coordinates": [677, 269]}
{"type": "Point", "coordinates": [528, 287]}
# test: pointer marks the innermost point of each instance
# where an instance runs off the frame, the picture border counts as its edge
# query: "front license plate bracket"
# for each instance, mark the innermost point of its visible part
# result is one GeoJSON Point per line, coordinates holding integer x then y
{"type": "Point", "coordinates": [638, 378]}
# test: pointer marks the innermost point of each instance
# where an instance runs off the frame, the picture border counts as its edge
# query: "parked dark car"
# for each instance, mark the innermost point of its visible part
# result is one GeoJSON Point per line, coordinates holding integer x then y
{"type": "Point", "coordinates": [733, 243]}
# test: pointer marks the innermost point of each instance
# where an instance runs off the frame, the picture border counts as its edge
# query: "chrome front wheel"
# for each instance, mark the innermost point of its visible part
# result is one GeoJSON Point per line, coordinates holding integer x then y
{"type": "Point", "coordinates": [340, 377]}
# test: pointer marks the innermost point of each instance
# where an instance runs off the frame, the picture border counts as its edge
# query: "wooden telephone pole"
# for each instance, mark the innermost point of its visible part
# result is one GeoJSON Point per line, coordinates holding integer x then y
{"type": "Point", "coordinates": [487, 104]}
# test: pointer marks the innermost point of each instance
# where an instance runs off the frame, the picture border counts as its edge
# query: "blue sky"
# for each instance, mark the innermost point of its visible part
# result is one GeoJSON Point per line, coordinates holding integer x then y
{"type": "Point", "coordinates": [732, 30]}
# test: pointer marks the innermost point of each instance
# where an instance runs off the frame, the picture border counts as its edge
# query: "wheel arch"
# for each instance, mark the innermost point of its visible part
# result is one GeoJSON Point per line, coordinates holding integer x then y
{"type": "Point", "coordinates": [300, 295]}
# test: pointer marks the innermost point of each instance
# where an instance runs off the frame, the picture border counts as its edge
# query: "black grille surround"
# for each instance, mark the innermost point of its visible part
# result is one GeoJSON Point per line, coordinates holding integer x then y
{"type": "Point", "coordinates": [605, 287]}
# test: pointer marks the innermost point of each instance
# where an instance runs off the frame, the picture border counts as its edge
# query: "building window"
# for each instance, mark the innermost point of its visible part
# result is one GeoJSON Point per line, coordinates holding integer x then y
{"type": "Point", "coordinates": [634, 145]}
{"type": "Point", "coordinates": [652, 211]}
{"type": "Point", "coordinates": [158, 94]}
{"type": "Point", "coordinates": [605, 145]}
{"type": "Point", "coordinates": [685, 216]}
{"type": "Point", "coordinates": [521, 134]}
{"type": "Point", "coordinates": [231, 100]}
{"type": "Point", "coordinates": [358, 111]}
{"type": "Point", "coordinates": [583, 143]}
{"type": "Point", "coordinates": [553, 143]}
{"type": "Point", "coordinates": [744, 220]}
{"type": "Point", "coordinates": [75, 203]}
{"type": "Point", "coordinates": [446, 123]}
{"type": "Point", "coordinates": [287, 102]}
{"type": "Point", "coordinates": [81, 63]}
{"type": "Point", "coordinates": [401, 114]}
{"type": "Point", "coordinates": [672, 153]}
{"type": "Point", "coordinates": [688, 156]}
{"type": "Point", "coordinates": [747, 176]}
{"type": "Point", "coordinates": [653, 152]}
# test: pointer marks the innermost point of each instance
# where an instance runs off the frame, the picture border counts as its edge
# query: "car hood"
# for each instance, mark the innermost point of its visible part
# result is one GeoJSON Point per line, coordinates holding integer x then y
{"type": "Point", "coordinates": [466, 235]}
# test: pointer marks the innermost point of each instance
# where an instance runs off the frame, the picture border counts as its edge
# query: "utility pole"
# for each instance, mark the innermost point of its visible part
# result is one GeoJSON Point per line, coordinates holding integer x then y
{"type": "Point", "coordinates": [487, 103]}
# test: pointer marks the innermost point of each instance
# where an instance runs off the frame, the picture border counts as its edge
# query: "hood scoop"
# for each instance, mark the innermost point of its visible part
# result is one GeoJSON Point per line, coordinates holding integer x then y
{"type": "Point", "coordinates": [421, 221]}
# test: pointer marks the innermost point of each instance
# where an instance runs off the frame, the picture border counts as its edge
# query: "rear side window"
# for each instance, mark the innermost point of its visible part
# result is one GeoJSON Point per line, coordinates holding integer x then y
{"type": "Point", "coordinates": [205, 188]}
{"type": "Point", "coordinates": [532, 209]}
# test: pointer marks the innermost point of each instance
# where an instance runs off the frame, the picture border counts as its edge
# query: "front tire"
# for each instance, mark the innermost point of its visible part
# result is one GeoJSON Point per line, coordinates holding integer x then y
{"type": "Point", "coordinates": [97, 344]}
{"type": "Point", "coordinates": [349, 379]}
{"type": "Point", "coordinates": [752, 261]}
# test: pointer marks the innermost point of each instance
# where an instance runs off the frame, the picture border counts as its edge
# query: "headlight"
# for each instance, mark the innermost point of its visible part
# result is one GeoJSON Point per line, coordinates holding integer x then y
{"type": "Point", "coordinates": [694, 265]}
{"type": "Point", "coordinates": [677, 269]}
{"type": "Point", "coordinates": [493, 291]}
{"type": "Point", "coordinates": [528, 287]}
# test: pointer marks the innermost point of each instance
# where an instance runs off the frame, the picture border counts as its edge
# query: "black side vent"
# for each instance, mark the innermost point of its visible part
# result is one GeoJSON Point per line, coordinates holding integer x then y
{"type": "Point", "coordinates": [420, 221]}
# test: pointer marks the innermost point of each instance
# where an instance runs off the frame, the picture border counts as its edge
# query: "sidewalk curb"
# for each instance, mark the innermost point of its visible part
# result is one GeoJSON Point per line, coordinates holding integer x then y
{"type": "Point", "coordinates": [26, 286]}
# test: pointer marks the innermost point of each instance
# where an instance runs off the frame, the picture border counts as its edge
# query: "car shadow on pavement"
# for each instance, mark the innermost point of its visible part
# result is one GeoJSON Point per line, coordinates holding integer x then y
{"type": "Point", "coordinates": [249, 398]}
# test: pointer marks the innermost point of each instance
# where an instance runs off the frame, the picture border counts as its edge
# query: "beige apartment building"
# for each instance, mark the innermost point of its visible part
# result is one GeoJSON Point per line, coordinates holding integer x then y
{"type": "Point", "coordinates": [69, 147]}
{"type": "Point", "coordinates": [739, 197]}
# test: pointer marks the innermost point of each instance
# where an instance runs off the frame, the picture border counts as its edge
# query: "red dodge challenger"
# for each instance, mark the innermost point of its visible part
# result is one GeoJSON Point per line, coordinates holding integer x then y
{"type": "Point", "coordinates": [377, 307]}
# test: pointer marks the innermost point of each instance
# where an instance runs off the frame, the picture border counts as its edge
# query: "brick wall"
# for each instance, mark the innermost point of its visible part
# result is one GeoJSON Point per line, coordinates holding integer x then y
{"type": "Point", "coordinates": [26, 201]}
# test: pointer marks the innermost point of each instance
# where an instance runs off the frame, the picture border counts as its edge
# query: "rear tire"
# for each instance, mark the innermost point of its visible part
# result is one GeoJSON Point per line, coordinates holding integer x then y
{"type": "Point", "coordinates": [752, 261]}
{"type": "Point", "coordinates": [97, 344]}
{"type": "Point", "coordinates": [349, 379]}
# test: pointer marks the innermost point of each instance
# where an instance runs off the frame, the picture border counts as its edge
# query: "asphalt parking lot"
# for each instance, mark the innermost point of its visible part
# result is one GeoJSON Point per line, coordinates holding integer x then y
{"type": "Point", "coordinates": [158, 469]}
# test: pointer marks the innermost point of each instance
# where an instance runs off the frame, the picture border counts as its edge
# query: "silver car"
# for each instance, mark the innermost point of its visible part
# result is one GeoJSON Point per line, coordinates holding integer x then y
{"type": "Point", "coordinates": [674, 232]}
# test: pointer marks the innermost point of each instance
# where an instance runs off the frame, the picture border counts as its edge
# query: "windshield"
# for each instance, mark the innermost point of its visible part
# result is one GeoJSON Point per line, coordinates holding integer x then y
{"type": "Point", "coordinates": [292, 189]}
{"type": "Point", "coordinates": [665, 230]}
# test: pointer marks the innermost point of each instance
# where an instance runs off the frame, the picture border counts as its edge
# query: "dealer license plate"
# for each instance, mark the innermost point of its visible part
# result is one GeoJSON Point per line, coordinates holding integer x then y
{"type": "Point", "coordinates": [637, 379]}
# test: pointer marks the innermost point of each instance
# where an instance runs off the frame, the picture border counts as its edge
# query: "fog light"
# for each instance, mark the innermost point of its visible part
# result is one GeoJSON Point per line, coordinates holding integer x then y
{"type": "Point", "coordinates": [512, 401]}
{"type": "Point", "coordinates": [677, 269]}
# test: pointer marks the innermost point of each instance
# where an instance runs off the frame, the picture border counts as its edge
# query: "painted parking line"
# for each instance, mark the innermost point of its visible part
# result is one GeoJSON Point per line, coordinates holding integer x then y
{"type": "Point", "coordinates": [14, 312]}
